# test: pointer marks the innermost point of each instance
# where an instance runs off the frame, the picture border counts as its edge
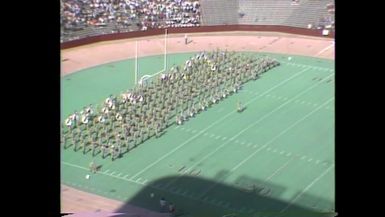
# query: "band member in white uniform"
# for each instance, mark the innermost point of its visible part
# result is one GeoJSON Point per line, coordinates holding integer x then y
{"type": "Point", "coordinates": [118, 117]}
{"type": "Point", "coordinates": [101, 119]}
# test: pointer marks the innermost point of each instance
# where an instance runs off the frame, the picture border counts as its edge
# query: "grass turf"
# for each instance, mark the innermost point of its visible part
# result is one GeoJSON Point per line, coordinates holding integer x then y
{"type": "Point", "coordinates": [283, 143]}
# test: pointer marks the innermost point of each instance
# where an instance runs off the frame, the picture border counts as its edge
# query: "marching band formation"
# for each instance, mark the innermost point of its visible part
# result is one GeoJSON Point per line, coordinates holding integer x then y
{"type": "Point", "coordinates": [125, 121]}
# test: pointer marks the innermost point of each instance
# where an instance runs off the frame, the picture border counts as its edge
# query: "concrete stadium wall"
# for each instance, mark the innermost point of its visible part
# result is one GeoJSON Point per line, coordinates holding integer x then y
{"type": "Point", "coordinates": [221, 28]}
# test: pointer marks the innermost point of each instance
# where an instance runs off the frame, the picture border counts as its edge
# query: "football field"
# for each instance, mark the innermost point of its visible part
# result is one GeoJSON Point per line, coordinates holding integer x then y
{"type": "Point", "coordinates": [276, 158]}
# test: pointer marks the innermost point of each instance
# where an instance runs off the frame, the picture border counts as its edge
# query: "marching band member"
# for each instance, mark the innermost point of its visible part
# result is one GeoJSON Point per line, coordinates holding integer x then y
{"type": "Point", "coordinates": [118, 117]}
{"type": "Point", "coordinates": [74, 117]}
{"type": "Point", "coordinates": [178, 120]}
{"type": "Point", "coordinates": [68, 122]}
{"type": "Point", "coordinates": [108, 100]}
{"type": "Point", "coordinates": [89, 110]}
{"type": "Point", "coordinates": [101, 119]}
{"type": "Point", "coordinates": [84, 119]}
{"type": "Point", "coordinates": [124, 97]}
{"type": "Point", "coordinates": [105, 110]}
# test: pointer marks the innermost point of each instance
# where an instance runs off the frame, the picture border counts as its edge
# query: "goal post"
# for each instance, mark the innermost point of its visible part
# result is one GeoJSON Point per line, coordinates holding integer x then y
{"type": "Point", "coordinates": [164, 68]}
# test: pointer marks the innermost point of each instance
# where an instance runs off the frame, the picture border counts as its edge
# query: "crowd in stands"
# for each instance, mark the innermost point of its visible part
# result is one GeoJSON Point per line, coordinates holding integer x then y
{"type": "Point", "coordinates": [144, 14]}
{"type": "Point", "coordinates": [125, 121]}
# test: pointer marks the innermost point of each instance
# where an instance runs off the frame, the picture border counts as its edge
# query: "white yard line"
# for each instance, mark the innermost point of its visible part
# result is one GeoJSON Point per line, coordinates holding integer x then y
{"type": "Point", "coordinates": [269, 142]}
{"type": "Point", "coordinates": [254, 123]}
{"type": "Point", "coordinates": [325, 49]}
{"type": "Point", "coordinates": [307, 188]}
{"type": "Point", "coordinates": [279, 169]}
{"type": "Point", "coordinates": [211, 125]}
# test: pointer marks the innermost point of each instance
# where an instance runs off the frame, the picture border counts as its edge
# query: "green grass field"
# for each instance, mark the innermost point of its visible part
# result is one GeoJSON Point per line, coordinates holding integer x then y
{"type": "Point", "coordinates": [282, 144]}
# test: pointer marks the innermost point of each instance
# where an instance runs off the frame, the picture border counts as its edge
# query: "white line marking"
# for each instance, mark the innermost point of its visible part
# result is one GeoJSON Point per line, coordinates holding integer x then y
{"type": "Point", "coordinates": [212, 124]}
{"type": "Point", "coordinates": [281, 152]}
{"type": "Point", "coordinates": [268, 149]}
{"type": "Point", "coordinates": [325, 49]}
{"type": "Point", "coordinates": [125, 176]}
{"type": "Point", "coordinates": [119, 174]}
{"type": "Point", "coordinates": [310, 66]}
{"type": "Point", "coordinates": [105, 172]}
{"type": "Point", "coordinates": [303, 157]}
{"type": "Point", "coordinates": [317, 161]}
{"type": "Point", "coordinates": [310, 160]}
{"type": "Point", "coordinates": [307, 188]}
{"type": "Point", "coordinates": [272, 140]}
{"type": "Point", "coordinates": [217, 137]}
{"type": "Point", "coordinates": [279, 169]}
{"type": "Point", "coordinates": [288, 154]}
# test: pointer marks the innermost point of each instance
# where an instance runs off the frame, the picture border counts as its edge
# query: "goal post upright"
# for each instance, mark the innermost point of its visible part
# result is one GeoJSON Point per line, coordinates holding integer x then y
{"type": "Point", "coordinates": [164, 60]}
{"type": "Point", "coordinates": [165, 50]}
{"type": "Point", "coordinates": [136, 62]}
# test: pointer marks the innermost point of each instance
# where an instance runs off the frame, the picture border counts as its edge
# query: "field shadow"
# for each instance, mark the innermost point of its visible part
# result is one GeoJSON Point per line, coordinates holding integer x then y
{"type": "Point", "coordinates": [246, 197]}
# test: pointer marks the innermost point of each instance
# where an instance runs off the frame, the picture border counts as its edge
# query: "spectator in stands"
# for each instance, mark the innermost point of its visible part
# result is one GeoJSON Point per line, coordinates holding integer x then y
{"type": "Point", "coordinates": [146, 14]}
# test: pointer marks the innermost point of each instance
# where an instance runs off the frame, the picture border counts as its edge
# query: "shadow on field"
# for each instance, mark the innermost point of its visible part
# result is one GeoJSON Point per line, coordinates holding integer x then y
{"type": "Point", "coordinates": [246, 197]}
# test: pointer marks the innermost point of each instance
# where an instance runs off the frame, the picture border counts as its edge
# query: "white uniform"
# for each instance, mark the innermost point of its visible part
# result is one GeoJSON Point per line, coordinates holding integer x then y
{"type": "Point", "coordinates": [68, 122]}
{"type": "Point", "coordinates": [84, 119]}
{"type": "Point", "coordinates": [101, 119]}
{"type": "Point", "coordinates": [119, 117]}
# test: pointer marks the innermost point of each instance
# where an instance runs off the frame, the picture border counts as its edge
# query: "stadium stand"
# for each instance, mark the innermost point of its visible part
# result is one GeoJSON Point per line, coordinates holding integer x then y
{"type": "Point", "coordinates": [83, 18]}
{"type": "Point", "coordinates": [217, 12]}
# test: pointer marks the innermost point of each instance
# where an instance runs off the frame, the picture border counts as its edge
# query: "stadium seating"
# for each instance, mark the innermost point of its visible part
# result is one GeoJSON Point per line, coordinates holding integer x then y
{"type": "Point", "coordinates": [218, 12]}
{"type": "Point", "coordinates": [82, 18]}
